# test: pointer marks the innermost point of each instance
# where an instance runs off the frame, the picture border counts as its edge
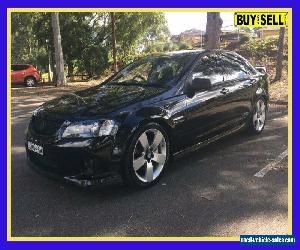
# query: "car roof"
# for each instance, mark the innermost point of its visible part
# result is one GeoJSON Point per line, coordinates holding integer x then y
{"type": "Point", "coordinates": [21, 64]}
{"type": "Point", "coordinates": [178, 52]}
{"type": "Point", "coordinates": [194, 51]}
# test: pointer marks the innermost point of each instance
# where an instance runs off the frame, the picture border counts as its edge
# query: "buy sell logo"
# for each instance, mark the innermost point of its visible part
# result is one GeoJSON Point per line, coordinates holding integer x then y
{"type": "Point", "coordinates": [261, 19]}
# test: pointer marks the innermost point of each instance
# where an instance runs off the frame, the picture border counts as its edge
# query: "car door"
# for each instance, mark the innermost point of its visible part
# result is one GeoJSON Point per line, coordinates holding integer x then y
{"type": "Point", "coordinates": [17, 74]}
{"type": "Point", "coordinates": [206, 113]}
{"type": "Point", "coordinates": [241, 81]}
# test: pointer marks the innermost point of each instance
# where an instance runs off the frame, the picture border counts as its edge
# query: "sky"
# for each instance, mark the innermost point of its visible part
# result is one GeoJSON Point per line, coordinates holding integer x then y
{"type": "Point", "coordinates": [181, 21]}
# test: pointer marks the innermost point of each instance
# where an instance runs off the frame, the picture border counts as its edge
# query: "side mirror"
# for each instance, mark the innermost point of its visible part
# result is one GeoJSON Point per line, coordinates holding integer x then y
{"type": "Point", "coordinates": [197, 85]}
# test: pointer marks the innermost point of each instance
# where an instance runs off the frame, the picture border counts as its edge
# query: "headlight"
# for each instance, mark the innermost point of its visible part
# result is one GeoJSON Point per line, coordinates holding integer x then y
{"type": "Point", "coordinates": [89, 129]}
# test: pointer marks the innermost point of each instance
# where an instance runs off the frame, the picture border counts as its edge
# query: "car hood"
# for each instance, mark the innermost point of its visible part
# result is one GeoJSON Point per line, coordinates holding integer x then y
{"type": "Point", "coordinates": [100, 99]}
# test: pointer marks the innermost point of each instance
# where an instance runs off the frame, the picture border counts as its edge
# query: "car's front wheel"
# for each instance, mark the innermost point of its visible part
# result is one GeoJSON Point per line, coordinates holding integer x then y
{"type": "Point", "coordinates": [257, 123]}
{"type": "Point", "coordinates": [147, 156]}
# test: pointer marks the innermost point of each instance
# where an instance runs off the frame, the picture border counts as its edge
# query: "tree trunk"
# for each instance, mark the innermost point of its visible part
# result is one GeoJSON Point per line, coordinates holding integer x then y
{"type": "Point", "coordinates": [49, 72]}
{"type": "Point", "coordinates": [59, 60]}
{"type": "Point", "coordinates": [53, 67]}
{"type": "Point", "coordinates": [49, 67]}
{"type": "Point", "coordinates": [279, 55]}
{"type": "Point", "coordinates": [71, 71]}
{"type": "Point", "coordinates": [114, 43]}
{"type": "Point", "coordinates": [213, 30]}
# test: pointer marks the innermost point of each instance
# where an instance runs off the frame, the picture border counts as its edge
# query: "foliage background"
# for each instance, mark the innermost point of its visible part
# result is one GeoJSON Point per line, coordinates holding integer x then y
{"type": "Point", "coordinates": [86, 39]}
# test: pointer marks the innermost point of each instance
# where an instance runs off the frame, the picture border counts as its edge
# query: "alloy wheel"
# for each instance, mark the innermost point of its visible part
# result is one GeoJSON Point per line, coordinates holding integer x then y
{"type": "Point", "coordinates": [149, 155]}
{"type": "Point", "coordinates": [259, 116]}
{"type": "Point", "coordinates": [30, 82]}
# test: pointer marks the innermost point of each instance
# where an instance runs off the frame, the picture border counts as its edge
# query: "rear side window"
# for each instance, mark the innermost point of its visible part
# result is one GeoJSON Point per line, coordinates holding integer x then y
{"type": "Point", "coordinates": [19, 67]}
{"type": "Point", "coordinates": [220, 66]}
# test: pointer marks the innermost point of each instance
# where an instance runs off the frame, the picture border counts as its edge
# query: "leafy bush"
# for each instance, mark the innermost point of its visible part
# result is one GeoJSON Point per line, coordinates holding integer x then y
{"type": "Point", "coordinates": [183, 46]}
{"type": "Point", "coordinates": [259, 48]}
{"type": "Point", "coordinates": [244, 38]}
{"type": "Point", "coordinates": [95, 60]}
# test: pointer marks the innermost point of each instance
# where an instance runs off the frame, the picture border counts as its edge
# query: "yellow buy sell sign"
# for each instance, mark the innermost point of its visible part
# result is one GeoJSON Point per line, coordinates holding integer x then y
{"type": "Point", "coordinates": [261, 19]}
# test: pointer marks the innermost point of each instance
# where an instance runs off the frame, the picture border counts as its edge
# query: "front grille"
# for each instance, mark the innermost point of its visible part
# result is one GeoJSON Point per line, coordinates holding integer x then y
{"type": "Point", "coordinates": [53, 161]}
{"type": "Point", "coordinates": [45, 126]}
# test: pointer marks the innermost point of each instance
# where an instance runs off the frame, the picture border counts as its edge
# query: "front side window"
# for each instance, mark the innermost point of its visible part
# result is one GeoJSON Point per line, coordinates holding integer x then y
{"type": "Point", "coordinates": [211, 66]}
{"type": "Point", "coordinates": [19, 67]}
{"type": "Point", "coordinates": [153, 70]}
{"type": "Point", "coordinates": [25, 67]}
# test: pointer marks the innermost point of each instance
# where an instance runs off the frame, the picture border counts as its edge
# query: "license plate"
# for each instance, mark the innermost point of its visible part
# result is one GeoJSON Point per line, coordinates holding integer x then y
{"type": "Point", "coordinates": [35, 148]}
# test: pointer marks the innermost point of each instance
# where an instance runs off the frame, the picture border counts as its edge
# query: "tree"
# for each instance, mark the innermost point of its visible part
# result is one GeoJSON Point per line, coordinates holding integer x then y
{"type": "Point", "coordinates": [77, 36]}
{"type": "Point", "coordinates": [59, 59]}
{"type": "Point", "coordinates": [213, 30]}
{"type": "Point", "coordinates": [114, 42]}
{"type": "Point", "coordinates": [280, 54]}
{"type": "Point", "coordinates": [44, 36]}
{"type": "Point", "coordinates": [87, 39]}
{"type": "Point", "coordinates": [26, 48]}
{"type": "Point", "coordinates": [144, 28]}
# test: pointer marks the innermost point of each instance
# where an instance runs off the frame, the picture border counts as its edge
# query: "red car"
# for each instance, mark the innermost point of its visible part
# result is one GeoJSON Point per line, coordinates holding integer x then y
{"type": "Point", "coordinates": [24, 74]}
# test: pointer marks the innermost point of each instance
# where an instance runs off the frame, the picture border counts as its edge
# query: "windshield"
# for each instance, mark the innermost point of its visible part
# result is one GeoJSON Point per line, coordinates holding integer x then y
{"type": "Point", "coordinates": [161, 70]}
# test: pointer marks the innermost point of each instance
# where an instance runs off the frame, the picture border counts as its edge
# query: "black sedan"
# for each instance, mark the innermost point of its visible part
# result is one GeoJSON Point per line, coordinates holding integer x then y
{"type": "Point", "coordinates": [155, 108]}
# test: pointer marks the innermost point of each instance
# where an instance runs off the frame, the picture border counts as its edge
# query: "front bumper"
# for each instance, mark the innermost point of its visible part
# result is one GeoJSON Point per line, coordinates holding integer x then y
{"type": "Point", "coordinates": [80, 179]}
{"type": "Point", "coordinates": [81, 162]}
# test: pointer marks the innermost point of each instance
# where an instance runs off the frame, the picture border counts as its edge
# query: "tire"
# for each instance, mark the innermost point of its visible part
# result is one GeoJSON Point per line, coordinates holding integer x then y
{"type": "Point", "coordinates": [257, 121]}
{"type": "Point", "coordinates": [30, 81]}
{"type": "Point", "coordinates": [146, 160]}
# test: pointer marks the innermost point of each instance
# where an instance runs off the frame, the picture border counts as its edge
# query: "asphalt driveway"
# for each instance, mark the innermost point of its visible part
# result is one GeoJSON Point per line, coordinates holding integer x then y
{"type": "Point", "coordinates": [211, 192]}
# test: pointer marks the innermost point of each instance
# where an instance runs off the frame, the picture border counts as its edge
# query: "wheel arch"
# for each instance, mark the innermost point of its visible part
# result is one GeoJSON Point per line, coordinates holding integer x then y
{"type": "Point", "coordinates": [125, 168]}
{"type": "Point", "coordinates": [163, 123]}
{"type": "Point", "coordinates": [261, 93]}
{"type": "Point", "coordinates": [160, 121]}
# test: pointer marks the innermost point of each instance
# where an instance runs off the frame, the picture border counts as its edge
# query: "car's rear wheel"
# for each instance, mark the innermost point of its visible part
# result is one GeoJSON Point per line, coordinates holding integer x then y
{"type": "Point", "coordinates": [257, 123]}
{"type": "Point", "coordinates": [147, 156]}
{"type": "Point", "coordinates": [30, 81]}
